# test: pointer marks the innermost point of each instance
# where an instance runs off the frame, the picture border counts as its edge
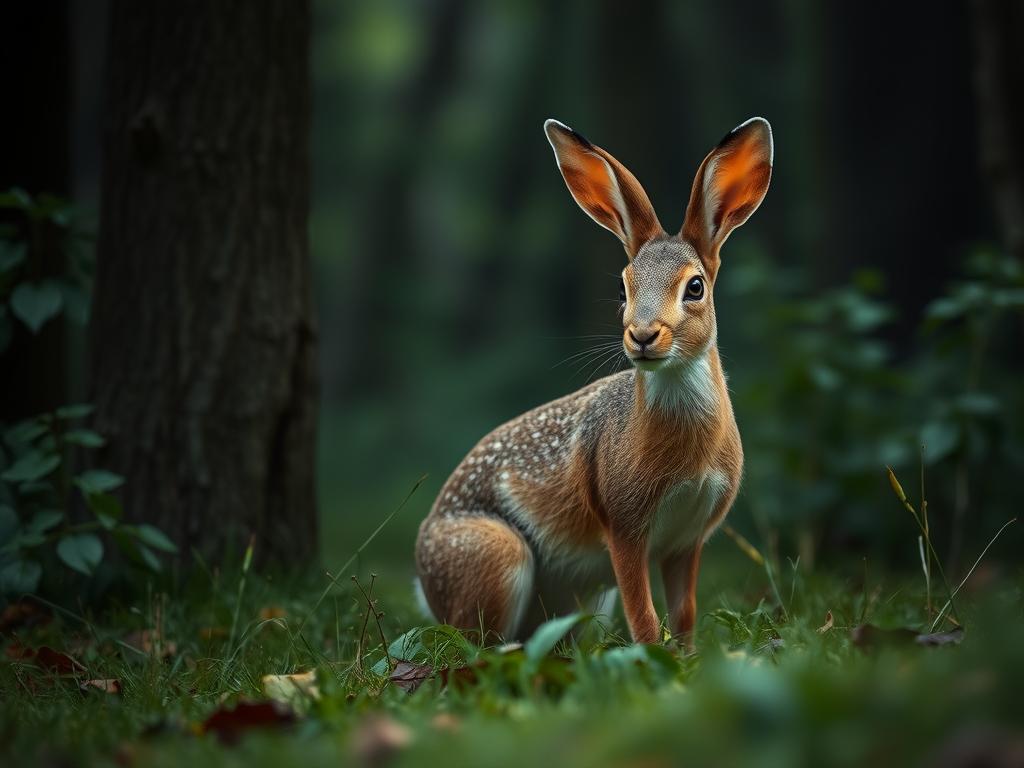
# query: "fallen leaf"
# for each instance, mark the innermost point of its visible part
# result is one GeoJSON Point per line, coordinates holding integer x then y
{"type": "Point", "coordinates": [18, 652]}
{"type": "Point", "coordinates": [409, 676]}
{"type": "Point", "coordinates": [228, 725]}
{"type": "Point", "coordinates": [23, 614]}
{"type": "Point", "coordinates": [57, 662]}
{"type": "Point", "coordinates": [297, 690]}
{"type": "Point", "coordinates": [379, 738]}
{"type": "Point", "coordinates": [111, 686]}
{"type": "Point", "coordinates": [829, 621]}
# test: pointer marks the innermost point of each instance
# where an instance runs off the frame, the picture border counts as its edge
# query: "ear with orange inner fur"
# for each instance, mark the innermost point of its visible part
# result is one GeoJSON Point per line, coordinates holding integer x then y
{"type": "Point", "coordinates": [603, 188]}
{"type": "Point", "coordinates": [729, 186]}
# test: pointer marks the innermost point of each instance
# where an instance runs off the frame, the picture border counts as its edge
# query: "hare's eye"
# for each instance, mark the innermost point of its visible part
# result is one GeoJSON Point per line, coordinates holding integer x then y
{"type": "Point", "coordinates": [622, 291]}
{"type": "Point", "coordinates": [694, 289]}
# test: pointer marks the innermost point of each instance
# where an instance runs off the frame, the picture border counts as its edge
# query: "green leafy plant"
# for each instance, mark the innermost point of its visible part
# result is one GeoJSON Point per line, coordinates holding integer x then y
{"type": "Point", "coordinates": [37, 491]}
{"type": "Point", "coordinates": [27, 295]}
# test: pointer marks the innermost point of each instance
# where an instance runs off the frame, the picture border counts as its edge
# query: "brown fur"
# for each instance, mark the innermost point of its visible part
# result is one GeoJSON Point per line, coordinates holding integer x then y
{"type": "Point", "coordinates": [641, 464]}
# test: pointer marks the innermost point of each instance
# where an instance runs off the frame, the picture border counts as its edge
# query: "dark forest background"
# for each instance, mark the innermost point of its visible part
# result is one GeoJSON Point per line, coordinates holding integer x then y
{"type": "Point", "coordinates": [872, 306]}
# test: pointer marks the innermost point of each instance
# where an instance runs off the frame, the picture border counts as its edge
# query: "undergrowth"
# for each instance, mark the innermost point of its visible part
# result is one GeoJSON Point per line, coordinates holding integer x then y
{"type": "Point", "coordinates": [816, 669]}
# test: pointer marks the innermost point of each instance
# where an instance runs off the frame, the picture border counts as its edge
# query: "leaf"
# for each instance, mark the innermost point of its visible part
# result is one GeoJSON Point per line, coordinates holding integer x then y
{"type": "Point", "coordinates": [106, 508]}
{"type": "Point", "coordinates": [27, 431]}
{"type": "Point", "coordinates": [406, 645]}
{"type": "Point", "coordinates": [43, 521]}
{"type": "Point", "coordinates": [548, 634]}
{"type": "Point", "coordinates": [111, 686]}
{"type": "Point", "coordinates": [85, 438]}
{"type": "Point", "coordinates": [35, 303]}
{"type": "Point", "coordinates": [977, 404]}
{"type": "Point", "coordinates": [20, 576]}
{"type": "Point", "coordinates": [11, 255]}
{"type": "Point", "coordinates": [940, 439]}
{"type": "Point", "coordinates": [32, 466]}
{"type": "Point", "coordinates": [82, 551]}
{"type": "Point", "coordinates": [77, 411]}
{"type": "Point", "coordinates": [228, 725]}
{"type": "Point", "coordinates": [297, 690]}
{"type": "Point", "coordinates": [409, 675]}
{"type": "Point", "coordinates": [98, 481]}
{"type": "Point", "coordinates": [155, 538]}
{"type": "Point", "coordinates": [16, 198]}
{"type": "Point", "coordinates": [57, 662]}
{"type": "Point", "coordinates": [138, 552]}
{"type": "Point", "coordinates": [829, 622]}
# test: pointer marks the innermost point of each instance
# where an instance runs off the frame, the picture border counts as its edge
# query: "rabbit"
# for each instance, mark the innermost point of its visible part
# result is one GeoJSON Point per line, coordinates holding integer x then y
{"type": "Point", "coordinates": [636, 468]}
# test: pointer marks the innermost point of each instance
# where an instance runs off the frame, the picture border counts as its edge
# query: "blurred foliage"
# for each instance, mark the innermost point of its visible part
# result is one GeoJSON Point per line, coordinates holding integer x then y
{"type": "Point", "coordinates": [25, 297]}
{"type": "Point", "coordinates": [40, 494]}
{"type": "Point", "coordinates": [770, 687]}
{"type": "Point", "coordinates": [38, 497]}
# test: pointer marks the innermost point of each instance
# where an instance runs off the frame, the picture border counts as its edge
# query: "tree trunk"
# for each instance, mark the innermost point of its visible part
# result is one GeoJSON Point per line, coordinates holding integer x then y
{"type": "Point", "coordinates": [203, 338]}
{"type": "Point", "coordinates": [999, 79]}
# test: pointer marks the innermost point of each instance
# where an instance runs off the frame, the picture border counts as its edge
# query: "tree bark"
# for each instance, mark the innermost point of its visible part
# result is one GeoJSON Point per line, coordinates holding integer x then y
{"type": "Point", "coordinates": [999, 80]}
{"type": "Point", "coordinates": [203, 337]}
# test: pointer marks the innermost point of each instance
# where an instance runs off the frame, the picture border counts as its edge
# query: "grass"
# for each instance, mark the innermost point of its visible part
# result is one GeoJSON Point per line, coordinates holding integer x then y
{"type": "Point", "coordinates": [769, 686]}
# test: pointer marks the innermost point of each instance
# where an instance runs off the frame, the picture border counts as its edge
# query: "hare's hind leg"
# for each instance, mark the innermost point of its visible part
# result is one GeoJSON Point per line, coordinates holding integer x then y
{"type": "Point", "coordinates": [475, 572]}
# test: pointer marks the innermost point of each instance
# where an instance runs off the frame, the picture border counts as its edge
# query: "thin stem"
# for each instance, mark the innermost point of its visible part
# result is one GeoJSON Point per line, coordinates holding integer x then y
{"type": "Point", "coordinates": [949, 603]}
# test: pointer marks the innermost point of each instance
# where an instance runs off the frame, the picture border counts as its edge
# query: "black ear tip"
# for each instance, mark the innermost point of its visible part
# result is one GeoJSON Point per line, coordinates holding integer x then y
{"type": "Point", "coordinates": [554, 127]}
{"type": "Point", "coordinates": [753, 124]}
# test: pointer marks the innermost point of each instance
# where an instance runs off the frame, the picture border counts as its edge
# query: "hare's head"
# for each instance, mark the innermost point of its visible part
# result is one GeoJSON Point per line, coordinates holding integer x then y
{"type": "Point", "coordinates": [667, 289]}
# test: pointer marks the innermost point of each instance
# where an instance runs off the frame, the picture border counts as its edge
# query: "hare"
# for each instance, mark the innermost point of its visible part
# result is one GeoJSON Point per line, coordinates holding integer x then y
{"type": "Point", "coordinates": [635, 468]}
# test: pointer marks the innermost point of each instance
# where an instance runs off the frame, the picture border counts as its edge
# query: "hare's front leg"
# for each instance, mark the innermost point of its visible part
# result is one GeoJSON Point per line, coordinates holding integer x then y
{"type": "Point", "coordinates": [629, 561]}
{"type": "Point", "coordinates": [679, 573]}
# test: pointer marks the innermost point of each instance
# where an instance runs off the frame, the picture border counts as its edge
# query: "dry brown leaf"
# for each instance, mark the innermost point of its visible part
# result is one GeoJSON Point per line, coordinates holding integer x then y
{"type": "Point", "coordinates": [228, 725]}
{"type": "Point", "coordinates": [57, 662]}
{"type": "Point", "coordinates": [111, 686]}
{"type": "Point", "coordinates": [829, 622]}
{"type": "Point", "coordinates": [409, 675]}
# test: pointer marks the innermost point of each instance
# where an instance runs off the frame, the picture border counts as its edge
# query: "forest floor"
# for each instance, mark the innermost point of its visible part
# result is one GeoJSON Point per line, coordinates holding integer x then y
{"type": "Point", "coordinates": [822, 669]}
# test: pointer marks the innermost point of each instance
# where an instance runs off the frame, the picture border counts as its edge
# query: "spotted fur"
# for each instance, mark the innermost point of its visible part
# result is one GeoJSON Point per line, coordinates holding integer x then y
{"type": "Point", "coordinates": [581, 493]}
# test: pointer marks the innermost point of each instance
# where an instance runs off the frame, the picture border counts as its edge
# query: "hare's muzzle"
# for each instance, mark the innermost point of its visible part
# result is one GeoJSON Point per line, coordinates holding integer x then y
{"type": "Point", "coordinates": [647, 344]}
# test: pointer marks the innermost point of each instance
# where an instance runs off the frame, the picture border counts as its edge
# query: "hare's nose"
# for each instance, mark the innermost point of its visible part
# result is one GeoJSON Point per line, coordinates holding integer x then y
{"type": "Point", "coordinates": [643, 336]}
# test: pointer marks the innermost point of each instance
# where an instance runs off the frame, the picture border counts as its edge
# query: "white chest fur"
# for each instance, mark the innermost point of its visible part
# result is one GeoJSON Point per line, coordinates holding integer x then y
{"type": "Point", "coordinates": [684, 511]}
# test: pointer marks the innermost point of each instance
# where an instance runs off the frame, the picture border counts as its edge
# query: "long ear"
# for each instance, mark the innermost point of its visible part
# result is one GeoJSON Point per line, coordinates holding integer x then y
{"type": "Point", "coordinates": [730, 185]}
{"type": "Point", "coordinates": [603, 188]}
